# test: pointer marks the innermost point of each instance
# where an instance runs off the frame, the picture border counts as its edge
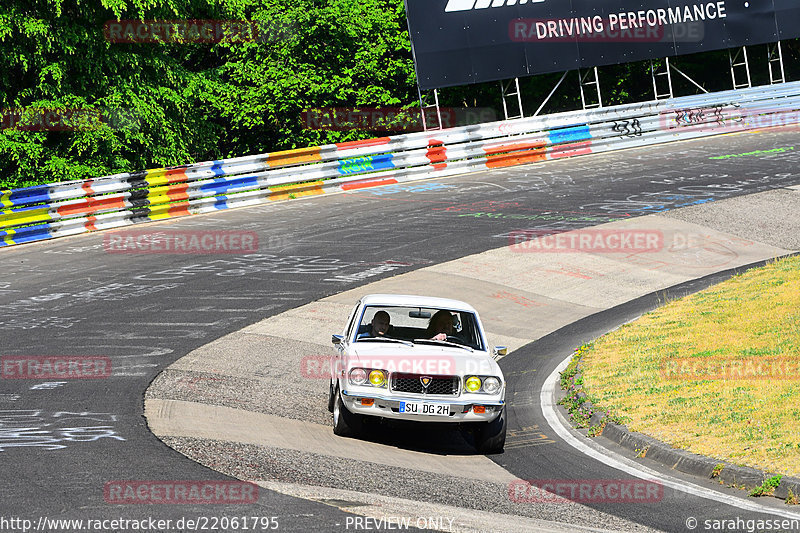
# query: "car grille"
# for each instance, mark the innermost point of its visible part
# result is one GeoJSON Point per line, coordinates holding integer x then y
{"type": "Point", "coordinates": [445, 385]}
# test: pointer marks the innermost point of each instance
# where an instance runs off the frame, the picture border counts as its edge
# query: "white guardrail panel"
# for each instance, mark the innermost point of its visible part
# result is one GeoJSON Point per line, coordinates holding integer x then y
{"type": "Point", "coordinates": [69, 208]}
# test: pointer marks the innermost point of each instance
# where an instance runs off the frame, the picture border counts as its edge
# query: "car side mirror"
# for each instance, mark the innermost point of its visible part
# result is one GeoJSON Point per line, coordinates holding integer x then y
{"type": "Point", "coordinates": [337, 339]}
{"type": "Point", "coordinates": [499, 350]}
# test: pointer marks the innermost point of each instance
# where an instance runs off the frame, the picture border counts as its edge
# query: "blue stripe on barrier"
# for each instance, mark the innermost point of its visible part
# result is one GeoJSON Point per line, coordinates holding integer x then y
{"type": "Point", "coordinates": [31, 233]}
{"type": "Point", "coordinates": [221, 203]}
{"type": "Point", "coordinates": [571, 134]}
{"type": "Point", "coordinates": [220, 185]}
{"type": "Point", "coordinates": [216, 168]}
{"type": "Point", "coordinates": [356, 165]}
{"type": "Point", "coordinates": [28, 195]}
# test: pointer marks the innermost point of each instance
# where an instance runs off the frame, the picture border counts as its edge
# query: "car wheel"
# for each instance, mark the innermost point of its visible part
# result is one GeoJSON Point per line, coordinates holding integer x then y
{"type": "Point", "coordinates": [331, 397]}
{"type": "Point", "coordinates": [345, 423]}
{"type": "Point", "coordinates": [490, 437]}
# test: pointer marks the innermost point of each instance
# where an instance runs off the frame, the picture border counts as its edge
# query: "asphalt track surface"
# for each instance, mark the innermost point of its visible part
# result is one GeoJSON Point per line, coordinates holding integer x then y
{"type": "Point", "coordinates": [62, 441]}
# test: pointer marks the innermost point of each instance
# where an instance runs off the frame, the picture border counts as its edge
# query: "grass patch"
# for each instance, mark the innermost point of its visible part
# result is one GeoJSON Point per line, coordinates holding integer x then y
{"type": "Point", "coordinates": [716, 373]}
{"type": "Point", "coordinates": [767, 488]}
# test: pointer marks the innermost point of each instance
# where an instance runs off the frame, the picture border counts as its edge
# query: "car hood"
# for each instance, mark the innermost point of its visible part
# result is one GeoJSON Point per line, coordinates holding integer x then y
{"type": "Point", "coordinates": [422, 359]}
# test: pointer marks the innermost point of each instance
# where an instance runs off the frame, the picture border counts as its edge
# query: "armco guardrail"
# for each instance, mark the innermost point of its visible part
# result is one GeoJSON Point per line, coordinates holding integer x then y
{"type": "Point", "coordinates": [68, 208]}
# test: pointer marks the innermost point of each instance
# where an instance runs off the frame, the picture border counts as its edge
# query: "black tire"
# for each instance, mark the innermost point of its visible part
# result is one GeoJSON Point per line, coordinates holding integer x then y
{"type": "Point", "coordinates": [490, 437]}
{"type": "Point", "coordinates": [345, 423]}
{"type": "Point", "coordinates": [331, 397]}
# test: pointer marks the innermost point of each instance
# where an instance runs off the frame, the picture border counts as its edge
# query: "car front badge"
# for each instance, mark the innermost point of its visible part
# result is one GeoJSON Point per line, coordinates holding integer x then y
{"type": "Point", "coordinates": [425, 380]}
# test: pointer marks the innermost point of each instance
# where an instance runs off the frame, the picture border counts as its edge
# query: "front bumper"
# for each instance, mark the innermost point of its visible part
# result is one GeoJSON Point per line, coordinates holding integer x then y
{"type": "Point", "coordinates": [461, 410]}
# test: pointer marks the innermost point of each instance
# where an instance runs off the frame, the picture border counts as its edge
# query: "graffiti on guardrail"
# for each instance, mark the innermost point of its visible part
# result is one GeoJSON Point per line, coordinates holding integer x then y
{"type": "Point", "coordinates": [691, 117]}
{"type": "Point", "coordinates": [628, 128]}
{"type": "Point", "coordinates": [727, 118]}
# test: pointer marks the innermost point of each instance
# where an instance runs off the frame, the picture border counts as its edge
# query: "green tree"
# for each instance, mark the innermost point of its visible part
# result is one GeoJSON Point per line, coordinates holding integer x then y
{"type": "Point", "coordinates": [185, 102]}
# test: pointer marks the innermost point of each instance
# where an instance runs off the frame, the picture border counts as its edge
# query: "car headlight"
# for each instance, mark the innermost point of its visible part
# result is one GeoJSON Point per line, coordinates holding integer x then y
{"type": "Point", "coordinates": [358, 376]}
{"type": "Point", "coordinates": [491, 385]}
{"type": "Point", "coordinates": [473, 384]}
{"type": "Point", "coordinates": [377, 378]}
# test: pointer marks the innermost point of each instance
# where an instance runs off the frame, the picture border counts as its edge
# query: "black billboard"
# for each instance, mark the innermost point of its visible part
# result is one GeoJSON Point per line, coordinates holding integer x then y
{"type": "Point", "coordinates": [459, 42]}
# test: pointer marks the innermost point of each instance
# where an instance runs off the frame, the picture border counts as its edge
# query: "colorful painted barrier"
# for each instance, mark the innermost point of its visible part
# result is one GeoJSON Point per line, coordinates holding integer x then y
{"type": "Point", "coordinates": [69, 208]}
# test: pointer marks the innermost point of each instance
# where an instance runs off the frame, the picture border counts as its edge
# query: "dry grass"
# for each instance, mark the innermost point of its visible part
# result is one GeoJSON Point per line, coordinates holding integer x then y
{"type": "Point", "coordinates": [752, 317]}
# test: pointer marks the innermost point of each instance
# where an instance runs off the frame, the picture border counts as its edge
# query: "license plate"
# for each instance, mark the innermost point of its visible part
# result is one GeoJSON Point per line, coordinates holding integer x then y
{"type": "Point", "coordinates": [421, 408]}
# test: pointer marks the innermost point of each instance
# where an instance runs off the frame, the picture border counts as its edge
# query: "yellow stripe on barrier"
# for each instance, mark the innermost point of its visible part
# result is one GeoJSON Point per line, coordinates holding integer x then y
{"type": "Point", "coordinates": [165, 211]}
{"type": "Point", "coordinates": [156, 177]}
{"type": "Point", "coordinates": [29, 216]}
{"type": "Point", "coordinates": [158, 199]}
{"type": "Point", "coordinates": [293, 157]}
{"type": "Point", "coordinates": [295, 190]}
{"type": "Point", "coordinates": [5, 198]}
{"type": "Point", "coordinates": [8, 238]}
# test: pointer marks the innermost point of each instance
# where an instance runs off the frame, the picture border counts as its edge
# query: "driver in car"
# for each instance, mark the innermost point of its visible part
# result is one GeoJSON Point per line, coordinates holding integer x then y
{"type": "Point", "coordinates": [441, 326]}
{"type": "Point", "coordinates": [379, 327]}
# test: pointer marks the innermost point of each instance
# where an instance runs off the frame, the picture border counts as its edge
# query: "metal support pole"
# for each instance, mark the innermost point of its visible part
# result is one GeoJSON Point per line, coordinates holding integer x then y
{"type": "Point", "coordinates": [423, 107]}
{"type": "Point", "coordinates": [504, 87]}
{"type": "Point", "coordinates": [741, 57]}
{"type": "Point", "coordinates": [676, 69]}
{"type": "Point", "coordinates": [595, 82]}
{"type": "Point", "coordinates": [563, 77]}
{"type": "Point", "coordinates": [668, 73]}
{"type": "Point", "coordinates": [775, 55]}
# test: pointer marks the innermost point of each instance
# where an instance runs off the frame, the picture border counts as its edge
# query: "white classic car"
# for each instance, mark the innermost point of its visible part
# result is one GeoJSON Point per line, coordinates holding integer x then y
{"type": "Point", "coordinates": [421, 359]}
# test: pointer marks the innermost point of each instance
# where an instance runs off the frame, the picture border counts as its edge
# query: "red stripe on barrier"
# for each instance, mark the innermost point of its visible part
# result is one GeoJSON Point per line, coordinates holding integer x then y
{"type": "Point", "coordinates": [176, 175]}
{"type": "Point", "coordinates": [363, 184]}
{"type": "Point", "coordinates": [572, 149]}
{"type": "Point", "coordinates": [90, 223]}
{"type": "Point", "coordinates": [178, 192]}
{"type": "Point", "coordinates": [91, 205]}
{"type": "Point", "coordinates": [360, 144]}
{"type": "Point", "coordinates": [507, 155]}
{"type": "Point", "coordinates": [87, 187]}
{"type": "Point", "coordinates": [437, 154]}
{"type": "Point", "coordinates": [179, 210]}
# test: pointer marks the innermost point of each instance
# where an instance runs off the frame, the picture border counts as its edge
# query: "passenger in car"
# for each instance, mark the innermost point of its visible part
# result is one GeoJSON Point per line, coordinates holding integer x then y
{"type": "Point", "coordinates": [441, 325]}
{"type": "Point", "coordinates": [379, 327]}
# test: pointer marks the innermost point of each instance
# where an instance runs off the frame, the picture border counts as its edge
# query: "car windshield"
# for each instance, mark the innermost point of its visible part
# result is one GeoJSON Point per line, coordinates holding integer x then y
{"type": "Point", "coordinates": [415, 323]}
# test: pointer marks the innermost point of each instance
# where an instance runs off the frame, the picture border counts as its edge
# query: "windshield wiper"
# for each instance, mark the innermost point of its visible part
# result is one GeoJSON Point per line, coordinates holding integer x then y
{"type": "Point", "coordinates": [448, 343]}
{"type": "Point", "coordinates": [385, 339]}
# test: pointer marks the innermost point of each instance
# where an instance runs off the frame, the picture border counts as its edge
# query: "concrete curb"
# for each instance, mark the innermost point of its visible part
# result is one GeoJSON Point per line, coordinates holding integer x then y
{"type": "Point", "coordinates": [682, 460]}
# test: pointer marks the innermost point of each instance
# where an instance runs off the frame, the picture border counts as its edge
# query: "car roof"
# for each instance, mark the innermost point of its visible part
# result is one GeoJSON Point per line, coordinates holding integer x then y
{"type": "Point", "coordinates": [409, 300]}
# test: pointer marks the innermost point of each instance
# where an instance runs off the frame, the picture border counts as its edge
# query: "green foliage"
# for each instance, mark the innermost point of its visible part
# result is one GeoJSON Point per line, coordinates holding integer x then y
{"type": "Point", "coordinates": [767, 488]}
{"type": "Point", "coordinates": [185, 102]}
